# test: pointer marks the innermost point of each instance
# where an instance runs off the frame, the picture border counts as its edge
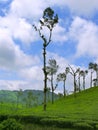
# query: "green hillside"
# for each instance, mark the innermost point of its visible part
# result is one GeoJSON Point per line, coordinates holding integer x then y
{"type": "Point", "coordinates": [84, 105]}
{"type": "Point", "coordinates": [7, 96]}
{"type": "Point", "coordinates": [73, 111]}
{"type": "Point", "coordinates": [80, 110]}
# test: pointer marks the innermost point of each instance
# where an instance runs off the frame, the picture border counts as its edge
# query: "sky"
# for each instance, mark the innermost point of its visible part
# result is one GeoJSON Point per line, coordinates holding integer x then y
{"type": "Point", "coordinates": [74, 41]}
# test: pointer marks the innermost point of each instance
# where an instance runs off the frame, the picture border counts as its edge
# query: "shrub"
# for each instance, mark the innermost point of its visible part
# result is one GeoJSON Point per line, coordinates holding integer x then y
{"type": "Point", "coordinates": [58, 122]}
{"type": "Point", "coordinates": [96, 126]}
{"type": "Point", "coordinates": [83, 126]}
{"type": "Point", "coordinates": [3, 117]}
{"type": "Point", "coordinates": [10, 124]}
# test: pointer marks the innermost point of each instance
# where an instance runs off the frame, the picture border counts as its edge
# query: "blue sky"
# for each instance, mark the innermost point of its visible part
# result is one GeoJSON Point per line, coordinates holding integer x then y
{"type": "Point", "coordinates": [74, 40]}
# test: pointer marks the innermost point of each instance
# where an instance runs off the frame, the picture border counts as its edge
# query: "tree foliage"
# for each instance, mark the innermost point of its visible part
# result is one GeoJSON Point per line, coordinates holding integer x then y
{"type": "Point", "coordinates": [52, 69]}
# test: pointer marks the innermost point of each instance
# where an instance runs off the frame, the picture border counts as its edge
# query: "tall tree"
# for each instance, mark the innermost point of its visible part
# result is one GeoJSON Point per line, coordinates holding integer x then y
{"type": "Point", "coordinates": [74, 73]}
{"type": "Point", "coordinates": [79, 75]}
{"type": "Point", "coordinates": [52, 69]}
{"type": "Point", "coordinates": [48, 20]}
{"type": "Point", "coordinates": [91, 67]}
{"type": "Point", "coordinates": [94, 82]}
{"type": "Point", "coordinates": [95, 67]}
{"type": "Point", "coordinates": [62, 77]}
{"type": "Point", "coordinates": [83, 74]}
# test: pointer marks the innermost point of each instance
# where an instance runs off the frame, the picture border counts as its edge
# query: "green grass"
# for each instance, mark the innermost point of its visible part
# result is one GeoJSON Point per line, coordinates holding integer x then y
{"type": "Point", "coordinates": [83, 106]}
{"type": "Point", "coordinates": [39, 127]}
{"type": "Point", "coordinates": [78, 111]}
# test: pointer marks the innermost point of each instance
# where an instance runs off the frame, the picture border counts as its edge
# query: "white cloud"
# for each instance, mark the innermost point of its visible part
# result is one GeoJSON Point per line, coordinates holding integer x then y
{"type": "Point", "coordinates": [34, 76]}
{"type": "Point", "coordinates": [85, 33]}
{"type": "Point", "coordinates": [19, 84]}
{"type": "Point", "coordinates": [59, 34]}
{"type": "Point", "coordinates": [35, 8]}
{"type": "Point", "coordinates": [81, 7]}
{"type": "Point", "coordinates": [24, 32]}
{"type": "Point", "coordinates": [11, 56]}
{"type": "Point", "coordinates": [78, 7]}
{"type": "Point", "coordinates": [12, 85]}
{"type": "Point", "coordinates": [28, 9]}
{"type": "Point", "coordinates": [34, 73]}
{"type": "Point", "coordinates": [18, 28]}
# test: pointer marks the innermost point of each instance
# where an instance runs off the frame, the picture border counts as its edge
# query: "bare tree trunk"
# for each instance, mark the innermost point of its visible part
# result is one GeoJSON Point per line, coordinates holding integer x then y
{"type": "Point", "coordinates": [52, 89]}
{"type": "Point", "coordinates": [79, 83]}
{"type": "Point", "coordinates": [74, 84]}
{"type": "Point", "coordinates": [83, 82]}
{"type": "Point", "coordinates": [52, 96]}
{"type": "Point", "coordinates": [91, 80]}
{"type": "Point", "coordinates": [64, 89]}
{"type": "Point", "coordinates": [45, 76]}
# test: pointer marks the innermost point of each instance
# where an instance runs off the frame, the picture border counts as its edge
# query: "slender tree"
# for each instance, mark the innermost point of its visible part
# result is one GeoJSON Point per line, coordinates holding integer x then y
{"type": "Point", "coordinates": [94, 82]}
{"type": "Point", "coordinates": [62, 77]}
{"type": "Point", "coordinates": [52, 69]}
{"type": "Point", "coordinates": [95, 67]}
{"type": "Point", "coordinates": [74, 73]}
{"type": "Point", "coordinates": [48, 92]}
{"type": "Point", "coordinates": [79, 85]}
{"type": "Point", "coordinates": [91, 67]}
{"type": "Point", "coordinates": [83, 74]}
{"type": "Point", "coordinates": [48, 20]}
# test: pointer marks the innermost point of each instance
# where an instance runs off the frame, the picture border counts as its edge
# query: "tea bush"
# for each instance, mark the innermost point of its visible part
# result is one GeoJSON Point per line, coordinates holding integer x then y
{"type": "Point", "coordinates": [10, 124]}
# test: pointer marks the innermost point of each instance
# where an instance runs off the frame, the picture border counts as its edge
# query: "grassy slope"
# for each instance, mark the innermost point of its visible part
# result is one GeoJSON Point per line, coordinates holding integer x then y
{"type": "Point", "coordinates": [83, 106]}
{"type": "Point", "coordinates": [81, 109]}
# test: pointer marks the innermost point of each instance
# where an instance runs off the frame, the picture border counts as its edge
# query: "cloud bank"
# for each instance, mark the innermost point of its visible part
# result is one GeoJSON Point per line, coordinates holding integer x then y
{"type": "Point", "coordinates": [16, 33]}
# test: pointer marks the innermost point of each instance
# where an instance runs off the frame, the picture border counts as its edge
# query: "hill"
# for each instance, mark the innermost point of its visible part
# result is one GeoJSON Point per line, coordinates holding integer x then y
{"type": "Point", "coordinates": [33, 97]}
{"type": "Point", "coordinates": [83, 105]}
{"type": "Point", "coordinates": [74, 111]}
{"type": "Point", "coordinates": [80, 110]}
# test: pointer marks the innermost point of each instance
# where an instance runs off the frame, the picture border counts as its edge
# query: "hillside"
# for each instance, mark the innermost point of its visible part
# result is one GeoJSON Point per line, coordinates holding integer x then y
{"type": "Point", "coordinates": [80, 111]}
{"type": "Point", "coordinates": [73, 111]}
{"type": "Point", "coordinates": [83, 105]}
{"type": "Point", "coordinates": [85, 102]}
{"type": "Point", "coordinates": [35, 97]}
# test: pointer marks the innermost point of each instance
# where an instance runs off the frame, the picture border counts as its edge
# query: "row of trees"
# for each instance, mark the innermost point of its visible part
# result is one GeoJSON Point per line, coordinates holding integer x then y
{"type": "Point", "coordinates": [77, 74]}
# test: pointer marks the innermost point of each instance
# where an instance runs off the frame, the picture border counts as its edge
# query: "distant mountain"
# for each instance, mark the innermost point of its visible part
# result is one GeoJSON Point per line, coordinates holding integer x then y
{"type": "Point", "coordinates": [26, 97]}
